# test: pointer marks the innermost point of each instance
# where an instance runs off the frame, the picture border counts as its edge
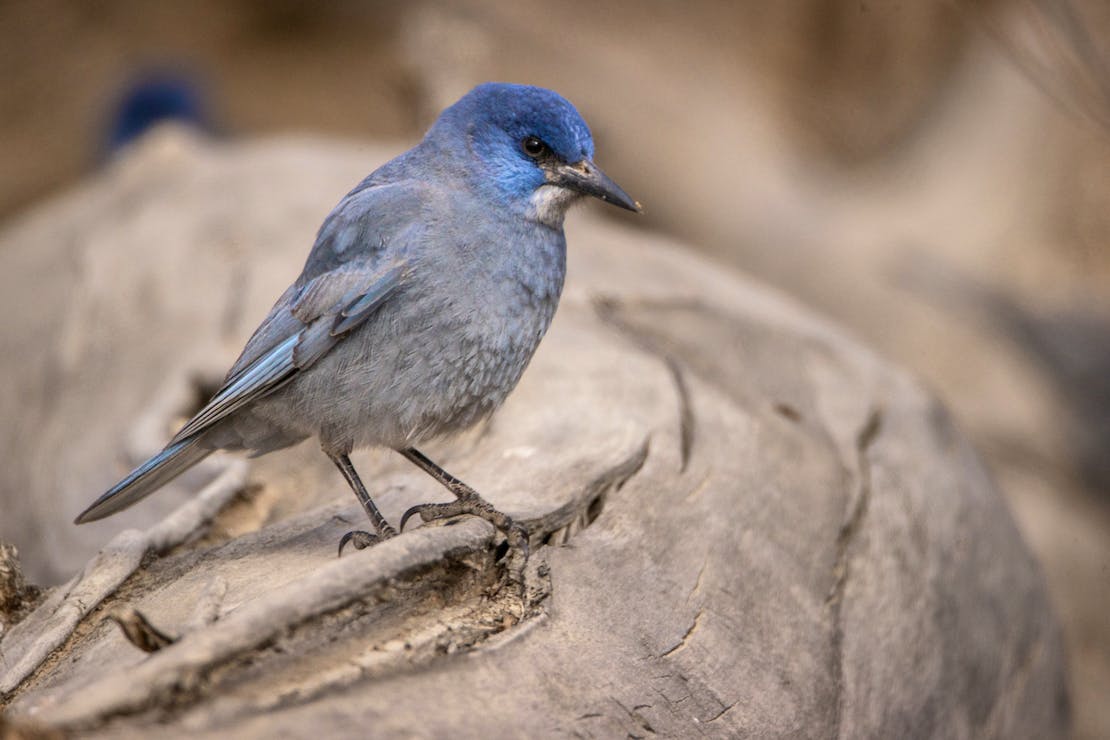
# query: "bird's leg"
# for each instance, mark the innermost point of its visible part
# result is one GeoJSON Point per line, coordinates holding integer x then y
{"type": "Point", "coordinates": [359, 538]}
{"type": "Point", "coordinates": [467, 501]}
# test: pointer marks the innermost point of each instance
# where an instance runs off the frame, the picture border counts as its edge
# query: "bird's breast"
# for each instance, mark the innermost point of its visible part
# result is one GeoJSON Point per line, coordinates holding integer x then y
{"type": "Point", "coordinates": [499, 307]}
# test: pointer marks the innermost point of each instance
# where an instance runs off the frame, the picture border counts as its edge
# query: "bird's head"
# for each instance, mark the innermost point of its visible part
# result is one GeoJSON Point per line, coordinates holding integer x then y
{"type": "Point", "coordinates": [529, 148]}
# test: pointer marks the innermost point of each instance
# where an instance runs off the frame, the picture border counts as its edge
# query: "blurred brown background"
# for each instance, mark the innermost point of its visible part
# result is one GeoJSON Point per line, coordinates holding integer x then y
{"type": "Point", "coordinates": [935, 175]}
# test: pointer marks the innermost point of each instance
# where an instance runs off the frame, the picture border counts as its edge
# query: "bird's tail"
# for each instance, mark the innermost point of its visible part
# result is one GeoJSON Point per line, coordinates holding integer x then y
{"type": "Point", "coordinates": [146, 479]}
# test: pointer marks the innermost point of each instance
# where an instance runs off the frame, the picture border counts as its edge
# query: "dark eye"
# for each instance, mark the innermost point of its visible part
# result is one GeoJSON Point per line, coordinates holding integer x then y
{"type": "Point", "coordinates": [533, 147]}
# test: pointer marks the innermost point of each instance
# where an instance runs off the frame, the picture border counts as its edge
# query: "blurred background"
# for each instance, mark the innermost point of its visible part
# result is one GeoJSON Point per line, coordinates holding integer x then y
{"type": "Point", "coordinates": [934, 175]}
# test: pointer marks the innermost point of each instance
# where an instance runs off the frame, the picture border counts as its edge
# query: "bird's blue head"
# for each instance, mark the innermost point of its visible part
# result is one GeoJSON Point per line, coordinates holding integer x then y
{"type": "Point", "coordinates": [528, 148]}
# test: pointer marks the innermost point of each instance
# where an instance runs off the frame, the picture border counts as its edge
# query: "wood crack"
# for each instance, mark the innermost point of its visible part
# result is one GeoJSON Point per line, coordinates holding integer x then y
{"type": "Point", "coordinates": [559, 526]}
{"type": "Point", "coordinates": [681, 644]}
{"type": "Point", "coordinates": [846, 537]}
{"type": "Point", "coordinates": [607, 310]}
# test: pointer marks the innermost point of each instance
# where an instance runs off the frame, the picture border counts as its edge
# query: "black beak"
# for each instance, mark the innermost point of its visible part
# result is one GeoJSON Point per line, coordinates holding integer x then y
{"type": "Point", "coordinates": [585, 177]}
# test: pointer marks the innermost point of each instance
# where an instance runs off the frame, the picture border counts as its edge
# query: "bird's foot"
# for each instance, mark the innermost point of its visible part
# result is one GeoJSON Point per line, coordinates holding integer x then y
{"type": "Point", "coordinates": [473, 505]}
{"type": "Point", "coordinates": [360, 539]}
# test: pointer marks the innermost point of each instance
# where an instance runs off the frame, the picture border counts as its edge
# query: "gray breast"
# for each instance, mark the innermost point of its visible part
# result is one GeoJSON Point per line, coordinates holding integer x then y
{"type": "Point", "coordinates": [443, 353]}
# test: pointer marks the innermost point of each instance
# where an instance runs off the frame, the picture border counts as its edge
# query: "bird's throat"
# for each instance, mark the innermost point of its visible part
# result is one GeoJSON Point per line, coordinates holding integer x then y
{"type": "Point", "coordinates": [548, 205]}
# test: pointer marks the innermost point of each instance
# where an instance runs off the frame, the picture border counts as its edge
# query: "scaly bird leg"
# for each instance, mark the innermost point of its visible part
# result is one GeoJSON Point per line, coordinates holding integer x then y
{"type": "Point", "coordinates": [359, 538]}
{"type": "Point", "coordinates": [467, 501]}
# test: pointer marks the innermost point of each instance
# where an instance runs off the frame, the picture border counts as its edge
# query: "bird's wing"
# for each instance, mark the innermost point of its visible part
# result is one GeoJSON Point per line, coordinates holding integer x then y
{"type": "Point", "coordinates": [356, 263]}
{"type": "Point", "coordinates": [325, 310]}
{"type": "Point", "coordinates": [372, 224]}
{"type": "Point", "coordinates": [371, 221]}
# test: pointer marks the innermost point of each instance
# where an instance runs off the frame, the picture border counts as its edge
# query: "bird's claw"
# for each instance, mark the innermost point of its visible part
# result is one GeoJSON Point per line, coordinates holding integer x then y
{"type": "Point", "coordinates": [432, 512]}
{"type": "Point", "coordinates": [515, 533]}
{"type": "Point", "coordinates": [360, 539]}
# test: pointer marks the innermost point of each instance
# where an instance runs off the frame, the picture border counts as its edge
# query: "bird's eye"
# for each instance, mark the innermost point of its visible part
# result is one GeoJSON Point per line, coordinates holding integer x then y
{"type": "Point", "coordinates": [533, 147]}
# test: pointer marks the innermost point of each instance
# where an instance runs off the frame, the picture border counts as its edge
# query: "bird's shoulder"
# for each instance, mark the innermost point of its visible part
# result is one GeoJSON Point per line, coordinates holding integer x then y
{"type": "Point", "coordinates": [358, 259]}
{"type": "Point", "coordinates": [375, 220]}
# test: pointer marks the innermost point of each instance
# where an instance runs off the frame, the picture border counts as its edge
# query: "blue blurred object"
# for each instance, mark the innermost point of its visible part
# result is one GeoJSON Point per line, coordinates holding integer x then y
{"type": "Point", "coordinates": [152, 100]}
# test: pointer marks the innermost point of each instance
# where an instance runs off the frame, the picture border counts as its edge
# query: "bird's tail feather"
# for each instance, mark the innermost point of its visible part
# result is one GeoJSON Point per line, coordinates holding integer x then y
{"type": "Point", "coordinates": [146, 479]}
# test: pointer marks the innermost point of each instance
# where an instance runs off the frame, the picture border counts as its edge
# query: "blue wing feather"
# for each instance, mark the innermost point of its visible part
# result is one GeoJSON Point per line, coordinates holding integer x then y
{"type": "Point", "coordinates": [277, 366]}
{"type": "Point", "coordinates": [256, 380]}
{"type": "Point", "coordinates": [363, 305]}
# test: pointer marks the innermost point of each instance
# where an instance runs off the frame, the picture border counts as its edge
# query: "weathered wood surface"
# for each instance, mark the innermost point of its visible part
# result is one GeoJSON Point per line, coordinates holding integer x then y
{"type": "Point", "coordinates": [743, 522]}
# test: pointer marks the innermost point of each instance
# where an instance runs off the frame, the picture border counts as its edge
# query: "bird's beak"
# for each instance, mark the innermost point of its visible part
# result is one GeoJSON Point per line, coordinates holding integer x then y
{"type": "Point", "coordinates": [585, 177]}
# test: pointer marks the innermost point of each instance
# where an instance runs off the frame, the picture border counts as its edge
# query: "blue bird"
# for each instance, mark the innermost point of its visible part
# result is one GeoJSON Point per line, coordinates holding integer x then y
{"type": "Point", "coordinates": [421, 303]}
{"type": "Point", "coordinates": [153, 100]}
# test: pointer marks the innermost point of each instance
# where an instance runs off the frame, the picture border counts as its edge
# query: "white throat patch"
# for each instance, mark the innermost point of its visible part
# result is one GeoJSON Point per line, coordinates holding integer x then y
{"type": "Point", "coordinates": [549, 204]}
